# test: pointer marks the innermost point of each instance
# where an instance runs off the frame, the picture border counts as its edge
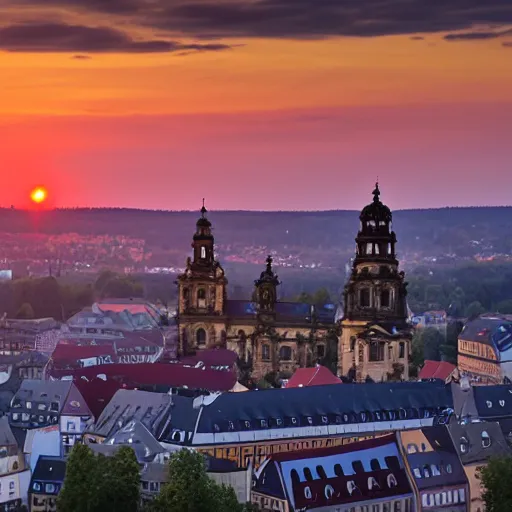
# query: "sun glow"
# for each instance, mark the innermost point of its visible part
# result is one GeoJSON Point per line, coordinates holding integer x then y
{"type": "Point", "coordinates": [39, 195]}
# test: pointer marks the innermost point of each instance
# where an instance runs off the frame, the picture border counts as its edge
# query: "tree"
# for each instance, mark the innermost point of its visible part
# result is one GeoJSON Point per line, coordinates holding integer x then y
{"type": "Point", "coordinates": [26, 311]}
{"type": "Point", "coordinates": [474, 309]}
{"type": "Point", "coordinates": [321, 297]}
{"type": "Point", "coordinates": [191, 490]}
{"type": "Point", "coordinates": [97, 483]}
{"type": "Point", "coordinates": [78, 486]}
{"type": "Point", "coordinates": [495, 478]}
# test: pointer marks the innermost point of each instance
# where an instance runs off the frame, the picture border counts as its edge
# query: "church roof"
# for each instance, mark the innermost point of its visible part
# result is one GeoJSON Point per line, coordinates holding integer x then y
{"type": "Point", "coordinates": [316, 376]}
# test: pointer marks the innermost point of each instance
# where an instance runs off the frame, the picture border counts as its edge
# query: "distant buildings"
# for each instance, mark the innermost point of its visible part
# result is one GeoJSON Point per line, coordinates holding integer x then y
{"type": "Point", "coordinates": [485, 350]}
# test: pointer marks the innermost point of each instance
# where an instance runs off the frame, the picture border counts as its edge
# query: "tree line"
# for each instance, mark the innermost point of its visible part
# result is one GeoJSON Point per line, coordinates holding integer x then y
{"type": "Point", "coordinates": [95, 483]}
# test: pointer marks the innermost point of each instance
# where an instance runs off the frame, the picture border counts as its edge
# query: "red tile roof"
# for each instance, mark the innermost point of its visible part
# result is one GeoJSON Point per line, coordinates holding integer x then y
{"type": "Point", "coordinates": [156, 374]}
{"type": "Point", "coordinates": [436, 370]}
{"type": "Point", "coordinates": [316, 376]}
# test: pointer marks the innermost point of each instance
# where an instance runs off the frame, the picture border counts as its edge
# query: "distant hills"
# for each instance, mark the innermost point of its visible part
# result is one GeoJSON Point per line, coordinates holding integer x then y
{"type": "Point", "coordinates": [462, 232]}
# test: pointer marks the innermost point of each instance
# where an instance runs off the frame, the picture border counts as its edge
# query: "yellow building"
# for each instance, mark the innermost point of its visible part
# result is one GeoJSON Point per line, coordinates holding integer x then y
{"type": "Point", "coordinates": [373, 339]}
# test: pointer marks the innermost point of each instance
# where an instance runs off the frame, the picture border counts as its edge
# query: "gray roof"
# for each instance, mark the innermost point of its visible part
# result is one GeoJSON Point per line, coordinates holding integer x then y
{"type": "Point", "coordinates": [155, 472]}
{"type": "Point", "coordinates": [476, 442]}
{"type": "Point", "coordinates": [135, 435]}
{"type": "Point", "coordinates": [52, 394]}
{"type": "Point", "coordinates": [6, 436]}
{"type": "Point", "coordinates": [151, 409]}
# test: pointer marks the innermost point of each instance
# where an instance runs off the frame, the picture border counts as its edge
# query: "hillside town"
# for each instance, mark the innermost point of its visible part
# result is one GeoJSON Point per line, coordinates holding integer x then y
{"type": "Point", "coordinates": [296, 406]}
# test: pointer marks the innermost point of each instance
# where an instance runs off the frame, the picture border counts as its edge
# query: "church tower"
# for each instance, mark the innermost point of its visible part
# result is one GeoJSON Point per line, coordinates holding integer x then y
{"type": "Point", "coordinates": [375, 340]}
{"type": "Point", "coordinates": [201, 291]}
{"type": "Point", "coordinates": [266, 292]}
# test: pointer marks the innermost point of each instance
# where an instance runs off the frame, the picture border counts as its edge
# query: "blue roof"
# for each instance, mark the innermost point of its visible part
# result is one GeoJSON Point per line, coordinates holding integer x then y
{"type": "Point", "coordinates": [316, 405]}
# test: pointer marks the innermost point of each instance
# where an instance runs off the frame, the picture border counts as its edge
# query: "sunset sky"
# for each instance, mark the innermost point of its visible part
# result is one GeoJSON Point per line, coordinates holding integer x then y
{"type": "Point", "coordinates": [256, 104]}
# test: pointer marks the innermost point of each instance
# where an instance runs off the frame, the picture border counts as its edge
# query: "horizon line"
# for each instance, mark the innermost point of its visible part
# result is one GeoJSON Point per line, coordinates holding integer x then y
{"type": "Point", "coordinates": [134, 209]}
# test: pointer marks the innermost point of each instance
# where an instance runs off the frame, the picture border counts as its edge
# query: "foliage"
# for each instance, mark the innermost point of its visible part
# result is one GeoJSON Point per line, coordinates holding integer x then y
{"type": "Point", "coordinates": [25, 312]}
{"type": "Point", "coordinates": [497, 491]}
{"type": "Point", "coordinates": [98, 483]}
{"type": "Point", "coordinates": [112, 285]}
{"type": "Point", "coordinates": [191, 490]}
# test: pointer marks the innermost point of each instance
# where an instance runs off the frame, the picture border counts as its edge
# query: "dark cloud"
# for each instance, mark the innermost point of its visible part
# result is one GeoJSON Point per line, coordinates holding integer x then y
{"type": "Point", "coordinates": [56, 37]}
{"type": "Point", "coordinates": [416, 38]}
{"type": "Point", "coordinates": [81, 57]}
{"type": "Point", "coordinates": [476, 35]}
{"type": "Point", "coordinates": [324, 18]}
{"type": "Point", "coordinates": [507, 44]}
{"type": "Point", "coordinates": [297, 18]}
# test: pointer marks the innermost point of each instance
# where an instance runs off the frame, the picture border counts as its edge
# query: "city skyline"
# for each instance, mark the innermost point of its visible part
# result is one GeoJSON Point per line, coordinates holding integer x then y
{"type": "Point", "coordinates": [267, 105]}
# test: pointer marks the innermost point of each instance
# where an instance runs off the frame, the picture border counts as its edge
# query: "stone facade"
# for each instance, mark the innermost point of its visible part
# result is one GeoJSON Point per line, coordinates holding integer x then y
{"type": "Point", "coordinates": [376, 336]}
{"type": "Point", "coordinates": [373, 338]}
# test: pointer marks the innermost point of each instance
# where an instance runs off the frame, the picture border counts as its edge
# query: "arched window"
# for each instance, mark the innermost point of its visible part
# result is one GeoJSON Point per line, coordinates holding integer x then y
{"type": "Point", "coordinates": [203, 252]}
{"type": "Point", "coordinates": [185, 293]}
{"type": "Point", "coordinates": [201, 298]}
{"type": "Point", "coordinates": [285, 353]}
{"type": "Point", "coordinates": [201, 337]}
{"type": "Point", "coordinates": [385, 299]}
{"type": "Point", "coordinates": [265, 352]}
{"type": "Point", "coordinates": [364, 298]}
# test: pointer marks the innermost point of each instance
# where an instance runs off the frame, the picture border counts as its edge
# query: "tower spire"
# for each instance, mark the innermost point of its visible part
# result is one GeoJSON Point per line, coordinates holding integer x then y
{"type": "Point", "coordinates": [203, 210]}
{"type": "Point", "coordinates": [376, 192]}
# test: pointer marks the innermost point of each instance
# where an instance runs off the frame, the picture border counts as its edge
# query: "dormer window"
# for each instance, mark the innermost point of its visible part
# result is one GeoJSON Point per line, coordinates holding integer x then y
{"type": "Point", "coordinates": [486, 439]}
{"type": "Point", "coordinates": [464, 445]}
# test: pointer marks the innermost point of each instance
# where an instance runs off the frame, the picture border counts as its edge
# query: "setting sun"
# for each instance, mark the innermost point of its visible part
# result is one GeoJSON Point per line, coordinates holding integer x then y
{"type": "Point", "coordinates": [38, 195]}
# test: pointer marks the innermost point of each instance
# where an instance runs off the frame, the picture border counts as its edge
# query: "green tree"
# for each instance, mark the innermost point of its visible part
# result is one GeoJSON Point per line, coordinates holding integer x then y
{"type": "Point", "coordinates": [474, 309]}
{"type": "Point", "coordinates": [191, 490]}
{"type": "Point", "coordinates": [497, 491]}
{"type": "Point", "coordinates": [504, 307]}
{"type": "Point", "coordinates": [26, 311]}
{"type": "Point", "coordinates": [322, 296]}
{"type": "Point", "coordinates": [77, 492]}
{"type": "Point", "coordinates": [99, 483]}
{"type": "Point", "coordinates": [103, 278]}
{"type": "Point", "coordinates": [122, 287]}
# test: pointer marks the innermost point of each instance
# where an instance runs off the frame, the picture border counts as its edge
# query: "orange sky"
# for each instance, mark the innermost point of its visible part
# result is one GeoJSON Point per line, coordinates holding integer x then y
{"type": "Point", "coordinates": [63, 115]}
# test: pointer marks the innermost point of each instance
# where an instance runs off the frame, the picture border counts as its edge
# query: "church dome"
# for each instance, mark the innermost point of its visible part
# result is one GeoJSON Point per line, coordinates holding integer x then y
{"type": "Point", "coordinates": [376, 211]}
{"type": "Point", "coordinates": [203, 222]}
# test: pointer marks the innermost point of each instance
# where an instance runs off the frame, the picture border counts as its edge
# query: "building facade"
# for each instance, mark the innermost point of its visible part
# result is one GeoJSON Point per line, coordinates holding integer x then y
{"type": "Point", "coordinates": [375, 334]}
{"type": "Point", "coordinates": [373, 338]}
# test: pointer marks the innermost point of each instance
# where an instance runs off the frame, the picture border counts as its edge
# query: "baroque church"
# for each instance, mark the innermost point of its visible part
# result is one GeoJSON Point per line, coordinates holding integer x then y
{"type": "Point", "coordinates": [371, 339]}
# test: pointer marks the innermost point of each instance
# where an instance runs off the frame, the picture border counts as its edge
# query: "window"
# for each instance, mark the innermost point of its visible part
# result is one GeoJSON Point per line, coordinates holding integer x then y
{"type": "Point", "coordinates": [486, 439]}
{"type": "Point", "coordinates": [203, 252]}
{"type": "Point", "coordinates": [201, 337]}
{"type": "Point", "coordinates": [338, 470]}
{"type": "Point", "coordinates": [307, 475]}
{"type": "Point", "coordinates": [375, 465]}
{"type": "Point", "coordinates": [369, 248]}
{"type": "Point", "coordinates": [71, 426]}
{"type": "Point", "coordinates": [385, 299]}
{"type": "Point", "coordinates": [320, 471]}
{"type": "Point", "coordinates": [285, 353]}
{"type": "Point", "coordinates": [29, 405]}
{"type": "Point", "coordinates": [49, 488]}
{"type": "Point", "coordinates": [401, 350]}
{"type": "Point", "coordinates": [201, 298]}
{"type": "Point", "coordinates": [185, 293]}
{"type": "Point", "coordinates": [36, 487]}
{"type": "Point", "coordinates": [364, 298]}
{"type": "Point", "coordinates": [320, 351]}
{"type": "Point", "coordinates": [376, 249]}
{"type": "Point", "coordinates": [265, 352]}
{"type": "Point", "coordinates": [376, 351]}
